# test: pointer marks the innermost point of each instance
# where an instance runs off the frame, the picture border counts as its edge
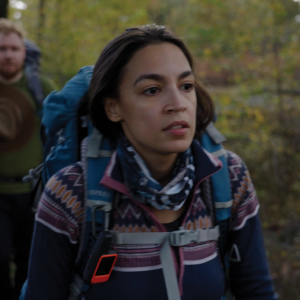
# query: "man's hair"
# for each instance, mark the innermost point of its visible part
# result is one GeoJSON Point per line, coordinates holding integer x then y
{"type": "Point", "coordinates": [109, 71]}
{"type": "Point", "coordinates": [7, 27]}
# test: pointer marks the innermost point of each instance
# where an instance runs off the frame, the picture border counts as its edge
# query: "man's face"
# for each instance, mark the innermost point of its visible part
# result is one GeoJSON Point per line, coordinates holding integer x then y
{"type": "Point", "coordinates": [12, 55]}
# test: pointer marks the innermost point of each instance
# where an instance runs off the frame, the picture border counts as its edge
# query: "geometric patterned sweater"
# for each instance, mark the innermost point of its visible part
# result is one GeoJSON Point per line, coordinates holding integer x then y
{"type": "Point", "coordinates": [138, 271]}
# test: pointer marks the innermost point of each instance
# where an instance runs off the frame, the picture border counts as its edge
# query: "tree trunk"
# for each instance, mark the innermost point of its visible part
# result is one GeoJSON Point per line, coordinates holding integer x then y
{"type": "Point", "coordinates": [3, 8]}
{"type": "Point", "coordinates": [41, 22]}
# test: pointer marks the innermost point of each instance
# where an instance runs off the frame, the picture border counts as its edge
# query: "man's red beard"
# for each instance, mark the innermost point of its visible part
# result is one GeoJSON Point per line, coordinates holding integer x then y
{"type": "Point", "coordinates": [10, 74]}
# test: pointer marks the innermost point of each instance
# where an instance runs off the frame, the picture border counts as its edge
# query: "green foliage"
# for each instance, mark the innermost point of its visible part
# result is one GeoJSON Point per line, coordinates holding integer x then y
{"type": "Point", "coordinates": [264, 129]}
{"type": "Point", "coordinates": [76, 31]}
{"type": "Point", "coordinates": [251, 47]}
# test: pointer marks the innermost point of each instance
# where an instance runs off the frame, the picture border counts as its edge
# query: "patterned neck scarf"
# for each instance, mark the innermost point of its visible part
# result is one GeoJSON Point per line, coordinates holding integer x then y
{"type": "Point", "coordinates": [145, 189]}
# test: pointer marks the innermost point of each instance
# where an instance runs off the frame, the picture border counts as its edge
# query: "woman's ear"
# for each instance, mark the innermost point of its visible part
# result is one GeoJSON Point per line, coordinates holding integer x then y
{"type": "Point", "coordinates": [112, 109]}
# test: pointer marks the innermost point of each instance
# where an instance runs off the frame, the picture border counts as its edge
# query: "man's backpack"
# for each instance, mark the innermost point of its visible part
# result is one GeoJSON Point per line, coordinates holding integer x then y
{"type": "Point", "coordinates": [34, 84]}
{"type": "Point", "coordinates": [60, 121]}
{"type": "Point", "coordinates": [32, 71]}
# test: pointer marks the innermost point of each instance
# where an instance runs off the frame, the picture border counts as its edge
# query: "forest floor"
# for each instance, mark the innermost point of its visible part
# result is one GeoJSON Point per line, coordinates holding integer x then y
{"type": "Point", "coordinates": [283, 250]}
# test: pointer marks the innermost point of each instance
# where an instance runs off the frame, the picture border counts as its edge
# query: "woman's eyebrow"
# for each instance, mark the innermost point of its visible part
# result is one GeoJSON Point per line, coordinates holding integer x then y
{"type": "Point", "coordinates": [149, 76]}
{"type": "Point", "coordinates": [186, 74]}
{"type": "Point", "coordinates": [158, 77]}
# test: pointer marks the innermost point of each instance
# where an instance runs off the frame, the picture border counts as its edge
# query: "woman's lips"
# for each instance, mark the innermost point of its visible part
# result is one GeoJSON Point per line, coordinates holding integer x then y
{"type": "Point", "coordinates": [177, 128]}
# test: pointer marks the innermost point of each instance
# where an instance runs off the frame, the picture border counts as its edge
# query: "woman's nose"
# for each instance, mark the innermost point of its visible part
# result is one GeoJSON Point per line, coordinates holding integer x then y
{"type": "Point", "coordinates": [176, 102]}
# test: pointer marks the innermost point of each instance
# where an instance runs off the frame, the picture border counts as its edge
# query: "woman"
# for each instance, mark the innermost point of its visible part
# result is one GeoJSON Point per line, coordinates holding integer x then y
{"type": "Point", "coordinates": [144, 97]}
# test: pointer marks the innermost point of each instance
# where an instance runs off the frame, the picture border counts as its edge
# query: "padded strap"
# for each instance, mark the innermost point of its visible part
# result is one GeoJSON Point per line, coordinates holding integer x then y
{"type": "Point", "coordinates": [217, 136]}
{"type": "Point", "coordinates": [220, 181]}
{"type": "Point", "coordinates": [94, 143]}
{"type": "Point", "coordinates": [219, 153]}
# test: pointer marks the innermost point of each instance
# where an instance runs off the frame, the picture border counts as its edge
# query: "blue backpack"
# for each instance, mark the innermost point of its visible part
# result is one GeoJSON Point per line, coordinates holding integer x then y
{"type": "Point", "coordinates": [60, 120]}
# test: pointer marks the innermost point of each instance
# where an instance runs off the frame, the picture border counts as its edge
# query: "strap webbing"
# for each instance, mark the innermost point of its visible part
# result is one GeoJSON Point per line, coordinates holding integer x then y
{"type": "Point", "coordinates": [76, 288]}
{"type": "Point", "coordinates": [169, 272]}
{"type": "Point", "coordinates": [107, 206]}
{"type": "Point", "coordinates": [104, 153]}
{"type": "Point", "coordinates": [219, 153]}
{"type": "Point", "coordinates": [223, 204]}
{"type": "Point", "coordinates": [177, 238]}
{"type": "Point", "coordinates": [140, 238]}
{"type": "Point", "coordinates": [186, 237]}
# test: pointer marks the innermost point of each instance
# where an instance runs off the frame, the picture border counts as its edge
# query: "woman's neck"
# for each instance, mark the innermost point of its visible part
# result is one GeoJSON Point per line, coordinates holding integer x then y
{"type": "Point", "coordinates": [161, 169]}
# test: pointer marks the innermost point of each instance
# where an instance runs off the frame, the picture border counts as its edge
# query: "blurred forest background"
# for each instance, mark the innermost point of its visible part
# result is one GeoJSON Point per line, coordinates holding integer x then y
{"type": "Point", "coordinates": [247, 54]}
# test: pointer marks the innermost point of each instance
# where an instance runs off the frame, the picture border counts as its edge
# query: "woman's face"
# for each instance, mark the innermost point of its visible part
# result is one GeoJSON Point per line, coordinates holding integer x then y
{"type": "Point", "coordinates": [157, 101]}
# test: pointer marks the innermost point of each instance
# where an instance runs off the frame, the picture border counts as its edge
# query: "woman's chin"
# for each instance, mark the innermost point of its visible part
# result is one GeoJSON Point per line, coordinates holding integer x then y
{"type": "Point", "coordinates": [178, 146]}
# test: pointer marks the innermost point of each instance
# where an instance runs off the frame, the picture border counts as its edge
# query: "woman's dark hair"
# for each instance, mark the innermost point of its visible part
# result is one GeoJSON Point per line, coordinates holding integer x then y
{"type": "Point", "coordinates": [109, 70]}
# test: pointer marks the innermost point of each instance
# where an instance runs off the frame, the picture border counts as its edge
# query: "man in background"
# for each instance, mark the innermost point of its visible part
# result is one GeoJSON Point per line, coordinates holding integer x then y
{"type": "Point", "coordinates": [20, 151]}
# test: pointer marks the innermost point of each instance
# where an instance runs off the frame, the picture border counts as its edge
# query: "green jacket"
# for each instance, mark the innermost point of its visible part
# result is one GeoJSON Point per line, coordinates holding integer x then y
{"type": "Point", "coordinates": [16, 164]}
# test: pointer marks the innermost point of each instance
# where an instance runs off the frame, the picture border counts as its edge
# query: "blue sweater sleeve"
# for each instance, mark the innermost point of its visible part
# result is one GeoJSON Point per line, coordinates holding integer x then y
{"type": "Point", "coordinates": [249, 275]}
{"type": "Point", "coordinates": [51, 265]}
{"type": "Point", "coordinates": [56, 236]}
{"type": "Point", "coordinates": [249, 271]}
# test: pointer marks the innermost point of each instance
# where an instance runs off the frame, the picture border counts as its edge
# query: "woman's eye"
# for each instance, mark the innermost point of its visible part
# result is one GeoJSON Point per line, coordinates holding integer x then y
{"type": "Point", "coordinates": [151, 91]}
{"type": "Point", "coordinates": [187, 87]}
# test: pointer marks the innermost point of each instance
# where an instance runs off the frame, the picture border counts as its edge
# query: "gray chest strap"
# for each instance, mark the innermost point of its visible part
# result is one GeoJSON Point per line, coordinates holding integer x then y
{"type": "Point", "coordinates": [177, 238]}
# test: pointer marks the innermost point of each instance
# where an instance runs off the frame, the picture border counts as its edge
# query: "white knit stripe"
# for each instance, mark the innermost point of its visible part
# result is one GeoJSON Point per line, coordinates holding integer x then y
{"type": "Point", "coordinates": [138, 269]}
{"type": "Point", "coordinates": [55, 229]}
{"type": "Point", "coordinates": [200, 261]}
{"type": "Point", "coordinates": [246, 218]}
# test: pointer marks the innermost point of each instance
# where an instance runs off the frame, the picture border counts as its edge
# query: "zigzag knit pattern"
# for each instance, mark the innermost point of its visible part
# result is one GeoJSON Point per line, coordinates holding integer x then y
{"type": "Point", "coordinates": [61, 205]}
{"type": "Point", "coordinates": [245, 202]}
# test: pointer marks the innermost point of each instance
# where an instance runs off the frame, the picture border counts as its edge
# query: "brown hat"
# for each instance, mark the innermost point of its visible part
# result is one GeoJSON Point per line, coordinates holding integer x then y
{"type": "Point", "coordinates": [17, 119]}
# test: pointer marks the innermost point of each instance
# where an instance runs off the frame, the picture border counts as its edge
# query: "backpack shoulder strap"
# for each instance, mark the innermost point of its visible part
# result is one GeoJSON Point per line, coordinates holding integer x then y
{"type": "Point", "coordinates": [95, 156]}
{"type": "Point", "coordinates": [212, 140]}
